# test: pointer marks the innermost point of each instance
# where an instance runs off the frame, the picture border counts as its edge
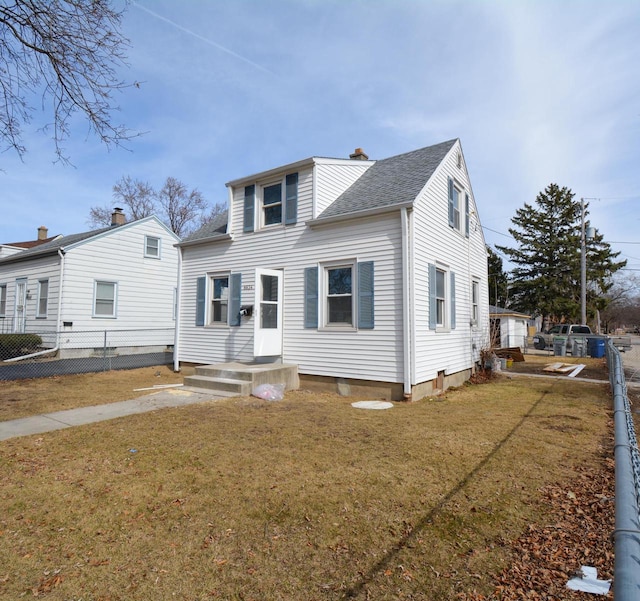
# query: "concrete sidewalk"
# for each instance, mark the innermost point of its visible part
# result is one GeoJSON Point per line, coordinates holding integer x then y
{"type": "Point", "coordinates": [47, 422]}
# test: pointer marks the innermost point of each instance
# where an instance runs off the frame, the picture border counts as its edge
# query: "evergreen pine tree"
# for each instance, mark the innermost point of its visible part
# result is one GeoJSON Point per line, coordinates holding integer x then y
{"type": "Point", "coordinates": [497, 279]}
{"type": "Point", "coordinates": [546, 277]}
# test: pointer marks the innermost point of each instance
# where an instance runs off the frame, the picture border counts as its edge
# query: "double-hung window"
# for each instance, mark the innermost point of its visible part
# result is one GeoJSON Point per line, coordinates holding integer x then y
{"type": "Point", "coordinates": [442, 298]}
{"type": "Point", "coordinates": [475, 302]}
{"type": "Point", "coordinates": [3, 300]}
{"type": "Point", "coordinates": [340, 295]}
{"type": "Point", "coordinates": [339, 287]}
{"type": "Point", "coordinates": [459, 205]}
{"type": "Point", "coordinates": [219, 313]}
{"type": "Point", "coordinates": [43, 298]}
{"type": "Point", "coordinates": [151, 247]}
{"type": "Point", "coordinates": [105, 298]}
{"type": "Point", "coordinates": [272, 204]}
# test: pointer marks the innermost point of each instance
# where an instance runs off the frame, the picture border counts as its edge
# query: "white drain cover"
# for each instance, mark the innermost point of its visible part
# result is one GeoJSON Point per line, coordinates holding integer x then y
{"type": "Point", "coordinates": [372, 405]}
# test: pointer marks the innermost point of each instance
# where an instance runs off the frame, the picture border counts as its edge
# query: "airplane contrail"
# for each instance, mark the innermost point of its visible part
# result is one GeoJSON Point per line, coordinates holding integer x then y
{"type": "Point", "coordinates": [203, 39]}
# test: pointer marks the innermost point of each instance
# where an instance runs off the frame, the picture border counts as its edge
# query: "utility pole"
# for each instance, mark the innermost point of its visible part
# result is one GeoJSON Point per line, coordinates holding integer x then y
{"type": "Point", "coordinates": [583, 268]}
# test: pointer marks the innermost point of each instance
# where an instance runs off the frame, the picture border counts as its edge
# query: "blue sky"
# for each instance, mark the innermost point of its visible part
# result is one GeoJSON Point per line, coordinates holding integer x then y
{"type": "Point", "coordinates": [537, 91]}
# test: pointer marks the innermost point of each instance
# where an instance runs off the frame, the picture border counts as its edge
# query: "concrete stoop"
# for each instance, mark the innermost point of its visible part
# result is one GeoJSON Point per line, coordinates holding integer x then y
{"type": "Point", "coordinates": [241, 378]}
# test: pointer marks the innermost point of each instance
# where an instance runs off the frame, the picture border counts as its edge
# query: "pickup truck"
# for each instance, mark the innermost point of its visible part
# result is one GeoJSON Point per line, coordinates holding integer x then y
{"type": "Point", "coordinates": [543, 340]}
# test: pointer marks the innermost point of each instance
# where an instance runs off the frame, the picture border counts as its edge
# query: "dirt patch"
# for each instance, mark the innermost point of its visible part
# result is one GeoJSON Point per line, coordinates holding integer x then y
{"type": "Point", "coordinates": [595, 369]}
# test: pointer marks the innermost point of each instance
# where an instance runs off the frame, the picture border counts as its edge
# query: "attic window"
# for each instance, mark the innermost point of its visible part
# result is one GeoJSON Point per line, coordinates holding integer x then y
{"type": "Point", "coordinates": [459, 160]}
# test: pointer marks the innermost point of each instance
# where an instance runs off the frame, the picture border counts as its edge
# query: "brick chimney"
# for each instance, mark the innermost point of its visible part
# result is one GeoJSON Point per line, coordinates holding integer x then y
{"type": "Point", "coordinates": [42, 233]}
{"type": "Point", "coordinates": [117, 217]}
{"type": "Point", "coordinates": [359, 155]}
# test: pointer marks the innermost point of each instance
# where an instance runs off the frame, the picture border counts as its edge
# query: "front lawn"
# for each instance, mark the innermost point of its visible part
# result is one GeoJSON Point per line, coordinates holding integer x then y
{"type": "Point", "coordinates": [307, 498]}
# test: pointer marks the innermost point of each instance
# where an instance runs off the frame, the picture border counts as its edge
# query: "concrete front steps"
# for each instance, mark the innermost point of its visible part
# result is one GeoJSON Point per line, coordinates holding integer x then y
{"type": "Point", "coordinates": [239, 379]}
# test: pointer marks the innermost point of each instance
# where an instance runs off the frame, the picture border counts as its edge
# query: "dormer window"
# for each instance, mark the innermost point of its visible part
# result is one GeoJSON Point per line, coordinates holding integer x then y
{"type": "Point", "coordinates": [272, 203]}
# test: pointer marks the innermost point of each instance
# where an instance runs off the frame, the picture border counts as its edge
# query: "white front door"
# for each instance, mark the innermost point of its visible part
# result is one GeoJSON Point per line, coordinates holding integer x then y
{"type": "Point", "coordinates": [268, 319]}
{"type": "Point", "coordinates": [20, 308]}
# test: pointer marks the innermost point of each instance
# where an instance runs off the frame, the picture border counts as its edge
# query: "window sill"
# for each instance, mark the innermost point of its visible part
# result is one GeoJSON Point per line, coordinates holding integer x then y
{"type": "Point", "coordinates": [151, 257]}
{"type": "Point", "coordinates": [337, 328]}
{"type": "Point", "coordinates": [41, 317]}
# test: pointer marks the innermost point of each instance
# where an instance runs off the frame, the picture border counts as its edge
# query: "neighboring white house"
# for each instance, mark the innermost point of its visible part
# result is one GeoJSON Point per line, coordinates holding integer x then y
{"type": "Point", "coordinates": [73, 288]}
{"type": "Point", "coordinates": [361, 272]}
{"type": "Point", "coordinates": [508, 328]}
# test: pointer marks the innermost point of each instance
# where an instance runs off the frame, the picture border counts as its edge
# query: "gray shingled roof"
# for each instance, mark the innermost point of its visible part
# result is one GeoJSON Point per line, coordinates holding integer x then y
{"type": "Point", "coordinates": [393, 181]}
{"type": "Point", "coordinates": [51, 248]}
{"type": "Point", "coordinates": [216, 227]}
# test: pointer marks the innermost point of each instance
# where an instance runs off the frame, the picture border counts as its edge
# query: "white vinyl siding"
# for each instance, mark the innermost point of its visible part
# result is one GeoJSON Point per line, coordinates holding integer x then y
{"type": "Point", "coordinates": [436, 241]}
{"type": "Point", "coordinates": [321, 351]}
{"type": "Point", "coordinates": [333, 178]}
{"type": "Point", "coordinates": [43, 268]}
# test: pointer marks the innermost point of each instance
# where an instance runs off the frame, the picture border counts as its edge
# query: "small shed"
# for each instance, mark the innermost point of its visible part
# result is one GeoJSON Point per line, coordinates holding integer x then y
{"type": "Point", "coordinates": [509, 328]}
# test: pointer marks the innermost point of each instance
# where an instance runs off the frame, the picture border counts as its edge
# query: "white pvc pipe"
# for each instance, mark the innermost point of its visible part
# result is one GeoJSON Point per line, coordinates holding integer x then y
{"type": "Point", "coordinates": [49, 350]}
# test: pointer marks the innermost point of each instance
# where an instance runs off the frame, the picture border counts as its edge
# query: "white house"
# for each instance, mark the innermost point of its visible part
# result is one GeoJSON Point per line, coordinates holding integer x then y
{"type": "Point", "coordinates": [361, 272]}
{"type": "Point", "coordinates": [73, 288]}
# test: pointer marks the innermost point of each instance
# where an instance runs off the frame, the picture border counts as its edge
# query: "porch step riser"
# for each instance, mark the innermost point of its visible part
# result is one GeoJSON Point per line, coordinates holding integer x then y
{"type": "Point", "coordinates": [239, 387]}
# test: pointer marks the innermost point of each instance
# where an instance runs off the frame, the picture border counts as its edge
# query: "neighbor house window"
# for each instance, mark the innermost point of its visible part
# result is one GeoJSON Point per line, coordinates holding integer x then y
{"type": "Point", "coordinates": [43, 298]}
{"type": "Point", "coordinates": [219, 300]}
{"type": "Point", "coordinates": [339, 295]}
{"type": "Point", "coordinates": [152, 247]}
{"type": "Point", "coordinates": [475, 301]}
{"type": "Point", "coordinates": [3, 300]}
{"type": "Point", "coordinates": [105, 296]}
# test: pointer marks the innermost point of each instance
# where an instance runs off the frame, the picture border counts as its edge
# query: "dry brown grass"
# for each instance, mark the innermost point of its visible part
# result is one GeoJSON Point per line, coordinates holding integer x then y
{"type": "Point", "coordinates": [22, 398]}
{"type": "Point", "coordinates": [307, 498]}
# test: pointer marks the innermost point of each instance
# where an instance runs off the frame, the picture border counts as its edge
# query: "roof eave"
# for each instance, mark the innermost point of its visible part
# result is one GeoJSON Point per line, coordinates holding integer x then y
{"type": "Point", "coordinates": [208, 239]}
{"type": "Point", "coordinates": [318, 221]}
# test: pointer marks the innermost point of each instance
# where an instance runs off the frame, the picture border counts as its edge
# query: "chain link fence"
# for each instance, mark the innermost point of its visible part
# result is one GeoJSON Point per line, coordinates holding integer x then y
{"type": "Point", "coordinates": [626, 536]}
{"type": "Point", "coordinates": [44, 354]}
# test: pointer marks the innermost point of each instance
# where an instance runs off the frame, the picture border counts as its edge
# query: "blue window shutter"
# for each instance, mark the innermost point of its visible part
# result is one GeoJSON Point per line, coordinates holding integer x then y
{"type": "Point", "coordinates": [201, 287]}
{"type": "Point", "coordinates": [291, 199]}
{"type": "Point", "coordinates": [235, 293]}
{"type": "Point", "coordinates": [365, 295]}
{"type": "Point", "coordinates": [432, 297]}
{"type": "Point", "coordinates": [249, 204]}
{"type": "Point", "coordinates": [311, 297]}
{"type": "Point", "coordinates": [466, 215]}
{"type": "Point", "coordinates": [453, 300]}
{"type": "Point", "coordinates": [451, 218]}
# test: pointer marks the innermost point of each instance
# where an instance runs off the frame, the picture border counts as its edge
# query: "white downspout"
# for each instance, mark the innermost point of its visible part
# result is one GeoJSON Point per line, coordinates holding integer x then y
{"type": "Point", "coordinates": [60, 289]}
{"type": "Point", "coordinates": [176, 339]}
{"type": "Point", "coordinates": [407, 302]}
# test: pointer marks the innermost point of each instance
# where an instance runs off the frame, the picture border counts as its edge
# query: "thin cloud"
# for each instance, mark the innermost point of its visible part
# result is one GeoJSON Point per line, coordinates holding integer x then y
{"type": "Point", "coordinates": [203, 39]}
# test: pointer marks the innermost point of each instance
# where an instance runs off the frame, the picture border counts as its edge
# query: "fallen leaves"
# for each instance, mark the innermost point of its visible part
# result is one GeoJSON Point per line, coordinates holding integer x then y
{"type": "Point", "coordinates": [578, 530]}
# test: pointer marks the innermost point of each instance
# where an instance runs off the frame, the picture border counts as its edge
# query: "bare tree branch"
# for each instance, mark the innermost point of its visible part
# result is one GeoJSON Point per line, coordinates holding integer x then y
{"type": "Point", "coordinates": [68, 52]}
